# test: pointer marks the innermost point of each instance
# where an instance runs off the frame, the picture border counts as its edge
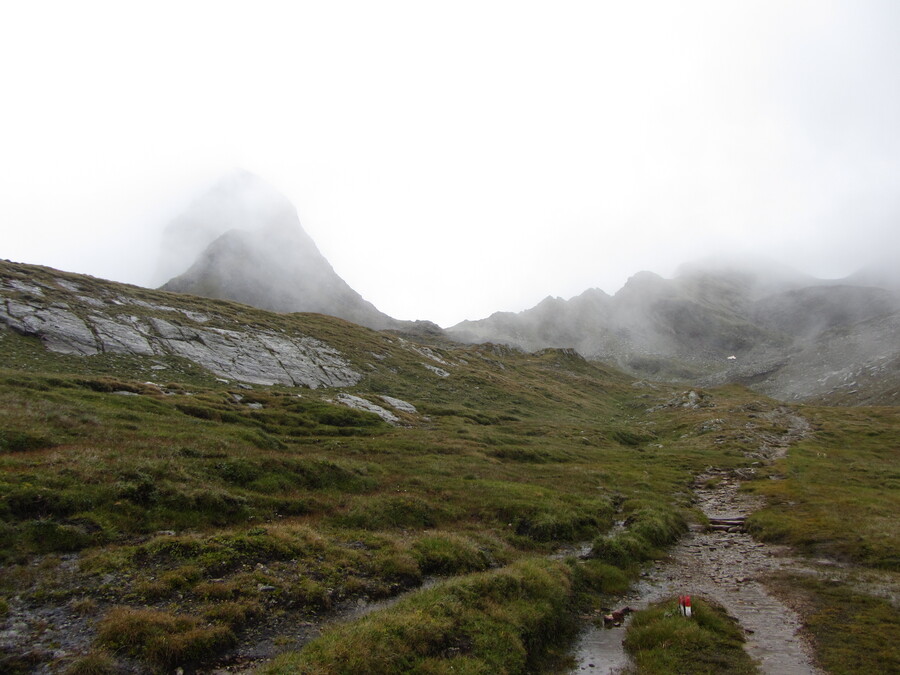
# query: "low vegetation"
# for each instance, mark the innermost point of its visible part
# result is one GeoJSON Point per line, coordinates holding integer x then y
{"type": "Point", "coordinates": [649, 530]}
{"type": "Point", "coordinates": [173, 515]}
{"type": "Point", "coordinates": [495, 622]}
{"type": "Point", "coordinates": [837, 493]}
{"type": "Point", "coordinates": [853, 629]}
{"type": "Point", "coordinates": [662, 641]}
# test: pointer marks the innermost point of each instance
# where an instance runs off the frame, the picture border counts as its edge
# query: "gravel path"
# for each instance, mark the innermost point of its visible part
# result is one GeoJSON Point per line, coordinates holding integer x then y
{"type": "Point", "coordinates": [724, 565]}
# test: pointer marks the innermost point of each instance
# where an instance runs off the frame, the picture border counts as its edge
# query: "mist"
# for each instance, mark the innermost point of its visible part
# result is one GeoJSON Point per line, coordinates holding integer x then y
{"type": "Point", "coordinates": [451, 162]}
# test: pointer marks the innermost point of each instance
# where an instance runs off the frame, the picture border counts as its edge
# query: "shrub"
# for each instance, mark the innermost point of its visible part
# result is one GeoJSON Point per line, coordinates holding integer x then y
{"type": "Point", "coordinates": [22, 441]}
{"type": "Point", "coordinates": [29, 501]}
{"type": "Point", "coordinates": [46, 536]}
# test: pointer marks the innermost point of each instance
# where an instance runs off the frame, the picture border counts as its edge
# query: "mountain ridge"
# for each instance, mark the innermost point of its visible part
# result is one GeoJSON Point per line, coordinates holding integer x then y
{"type": "Point", "coordinates": [714, 324]}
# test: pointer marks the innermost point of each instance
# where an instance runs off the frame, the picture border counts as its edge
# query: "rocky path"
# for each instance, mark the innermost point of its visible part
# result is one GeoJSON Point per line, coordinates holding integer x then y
{"type": "Point", "coordinates": [723, 564]}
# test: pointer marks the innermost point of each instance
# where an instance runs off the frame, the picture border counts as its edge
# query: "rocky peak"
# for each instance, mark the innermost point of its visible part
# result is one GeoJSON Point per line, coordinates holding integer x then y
{"type": "Point", "coordinates": [261, 256]}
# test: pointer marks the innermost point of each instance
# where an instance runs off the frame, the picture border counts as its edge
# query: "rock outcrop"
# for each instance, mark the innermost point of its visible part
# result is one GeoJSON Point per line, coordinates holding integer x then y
{"type": "Point", "coordinates": [70, 319]}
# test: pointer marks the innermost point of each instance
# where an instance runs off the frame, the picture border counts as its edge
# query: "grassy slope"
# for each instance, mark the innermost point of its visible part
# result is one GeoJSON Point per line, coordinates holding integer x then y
{"type": "Point", "coordinates": [837, 496]}
{"type": "Point", "coordinates": [299, 504]}
{"type": "Point", "coordinates": [838, 492]}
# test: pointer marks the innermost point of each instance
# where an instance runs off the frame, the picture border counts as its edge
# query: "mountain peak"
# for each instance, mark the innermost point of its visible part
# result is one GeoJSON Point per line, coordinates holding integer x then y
{"type": "Point", "coordinates": [254, 250]}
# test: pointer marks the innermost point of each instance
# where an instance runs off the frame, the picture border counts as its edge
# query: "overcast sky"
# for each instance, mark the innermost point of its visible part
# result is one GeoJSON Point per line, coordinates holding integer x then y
{"type": "Point", "coordinates": [452, 159]}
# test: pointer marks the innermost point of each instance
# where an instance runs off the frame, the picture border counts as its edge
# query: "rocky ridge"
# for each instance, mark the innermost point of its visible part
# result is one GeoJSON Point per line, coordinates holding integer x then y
{"type": "Point", "coordinates": [787, 335]}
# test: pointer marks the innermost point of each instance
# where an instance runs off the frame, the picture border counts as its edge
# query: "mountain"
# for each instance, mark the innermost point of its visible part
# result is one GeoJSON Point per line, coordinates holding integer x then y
{"type": "Point", "coordinates": [251, 248]}
{"type": "Point", "coordinates": [783, 333]}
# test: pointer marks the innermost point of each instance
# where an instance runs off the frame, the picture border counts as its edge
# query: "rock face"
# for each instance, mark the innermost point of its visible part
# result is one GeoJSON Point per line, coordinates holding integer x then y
{"type": "Point", "coordinates": [69, 321]}
{"type": "Point", "coordinates": [253, 250]}
{"type": "Point", "coordinates": [788, 335]}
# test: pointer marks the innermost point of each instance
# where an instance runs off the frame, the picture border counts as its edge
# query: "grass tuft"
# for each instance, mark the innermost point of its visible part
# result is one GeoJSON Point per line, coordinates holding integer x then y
{"type": "Point", "coordinates": [661, 641]}
{"type": "Point", "coordinates": [162, 639]}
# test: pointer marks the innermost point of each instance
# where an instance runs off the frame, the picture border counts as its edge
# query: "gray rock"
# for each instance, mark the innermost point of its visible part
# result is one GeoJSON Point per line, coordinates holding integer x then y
{"type": "Point", "coordinates": [259, 357]}
{"type": "Point", "coordinates": [362, 404]}
{"type": "Point", "coordinates": [59, 329]}
{"type": "Point", "coordinates": [240, 353]}
{"type": "Point", "coordinates": [398, 404]}
{"type": "Point", "coordinates": [124, 336]}
{"type": "Point", "coordinates": [68, 285]}
{"type": "Point", "coordinates": [24, 287]}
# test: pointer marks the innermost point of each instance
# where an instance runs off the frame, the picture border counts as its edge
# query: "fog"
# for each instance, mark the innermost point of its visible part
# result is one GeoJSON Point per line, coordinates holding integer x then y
{"type": "Point", "coordinates": [454, 160]}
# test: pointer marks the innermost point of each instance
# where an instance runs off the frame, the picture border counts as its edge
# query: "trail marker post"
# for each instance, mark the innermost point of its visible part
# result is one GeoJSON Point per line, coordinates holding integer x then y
{"type": "Point", "coordinates": [684, 605]}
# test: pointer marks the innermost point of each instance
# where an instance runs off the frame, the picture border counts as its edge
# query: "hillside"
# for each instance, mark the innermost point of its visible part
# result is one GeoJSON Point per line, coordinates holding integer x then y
{"type": "Point", "coordinates": [783, 334]}
{"type": "Point", "coordinates": [198, 484]}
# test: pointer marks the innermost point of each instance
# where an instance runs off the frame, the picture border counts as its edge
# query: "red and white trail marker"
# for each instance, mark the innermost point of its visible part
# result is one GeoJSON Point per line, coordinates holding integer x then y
{"type": "Point", "coordinates": [684, 605]}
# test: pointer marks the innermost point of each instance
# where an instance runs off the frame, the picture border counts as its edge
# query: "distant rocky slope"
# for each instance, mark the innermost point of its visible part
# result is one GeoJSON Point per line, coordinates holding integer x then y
{"type": "Point", "coordinates": [788, 335]}
{"type": "Point", "coordinates": [247, 245]}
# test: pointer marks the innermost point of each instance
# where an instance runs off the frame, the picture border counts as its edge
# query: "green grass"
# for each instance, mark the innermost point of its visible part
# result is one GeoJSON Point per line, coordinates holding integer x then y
{"type": "Point", "coordinates": [838, 492]}
{"type": "Point", "coordinates": [853, 631]}
{"type": "Point", "coordinates": [495, 622]}
{"type": "Point", "coordinates": [180, 502]}
{"type": "Point", "coordinates": [661, 641]}
{"type": "Point", "coordinates": [649, 529]}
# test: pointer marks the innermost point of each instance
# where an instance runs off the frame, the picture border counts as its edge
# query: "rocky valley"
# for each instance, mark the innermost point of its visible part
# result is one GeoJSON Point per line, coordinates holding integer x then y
{"type": "Point", "coordinates": [253, 469]}
{"type": "Point", "coordinates": [199, 485]}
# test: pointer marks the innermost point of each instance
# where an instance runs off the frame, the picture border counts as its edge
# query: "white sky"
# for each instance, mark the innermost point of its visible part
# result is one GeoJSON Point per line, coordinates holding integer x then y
{"type": "Point", "coordinates": [452, 159]}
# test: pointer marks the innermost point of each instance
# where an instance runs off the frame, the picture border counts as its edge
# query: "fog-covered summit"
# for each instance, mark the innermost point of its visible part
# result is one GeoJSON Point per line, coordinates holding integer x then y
{"type": "Point", "coordinates": [245, 243]}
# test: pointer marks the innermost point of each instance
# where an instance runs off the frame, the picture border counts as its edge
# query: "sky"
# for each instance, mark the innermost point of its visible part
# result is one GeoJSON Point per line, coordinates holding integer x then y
{"type": "Point", "coordinates": [452, 159]}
